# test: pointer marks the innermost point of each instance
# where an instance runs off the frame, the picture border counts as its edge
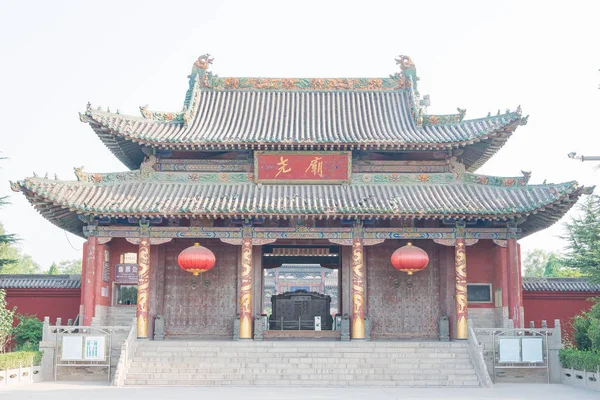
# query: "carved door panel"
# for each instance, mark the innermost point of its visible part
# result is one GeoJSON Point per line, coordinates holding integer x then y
{"type": "Point", "coordinates": [397, 309]}
{"type": "Point", "coordinates": [208, 310]}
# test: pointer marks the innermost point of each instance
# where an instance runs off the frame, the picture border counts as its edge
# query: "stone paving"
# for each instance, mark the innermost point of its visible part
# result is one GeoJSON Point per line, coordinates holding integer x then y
{"type": "Point", "coordinates": [66, 391]}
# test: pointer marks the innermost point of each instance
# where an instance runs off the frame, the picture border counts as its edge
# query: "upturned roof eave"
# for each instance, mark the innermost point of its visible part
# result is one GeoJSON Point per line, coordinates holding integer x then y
{"type": "Point", "coordinates": [65, 214]}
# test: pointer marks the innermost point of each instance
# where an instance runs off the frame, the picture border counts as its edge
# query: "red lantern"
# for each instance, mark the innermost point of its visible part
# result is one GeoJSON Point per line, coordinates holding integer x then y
{"type": "Point", "coordinates": [196, 259]}
{"type": "Point", "coordinates": [410, 259]}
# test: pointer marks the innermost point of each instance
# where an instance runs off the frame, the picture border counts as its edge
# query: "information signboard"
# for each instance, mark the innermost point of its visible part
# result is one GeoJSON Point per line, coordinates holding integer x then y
{"type": "Point", "coordinates": [94, 348]}
{"type": "Point", "coordinates": [533, 350]}
{"type": "Point", "coordinates": [510, 350]}
{"type": "Point", "coordinates": [72, 348]}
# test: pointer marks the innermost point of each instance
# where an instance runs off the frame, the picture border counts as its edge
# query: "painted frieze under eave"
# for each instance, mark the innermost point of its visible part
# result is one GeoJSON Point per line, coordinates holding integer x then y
{"type": "Point", "coordinates": [437, 196]}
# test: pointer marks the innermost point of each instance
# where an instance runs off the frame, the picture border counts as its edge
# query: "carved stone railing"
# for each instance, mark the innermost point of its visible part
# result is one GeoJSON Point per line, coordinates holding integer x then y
{"type": "Point", "coordinates": [127, 350]}
{"type": "Point", "coordinates": [476, 355]}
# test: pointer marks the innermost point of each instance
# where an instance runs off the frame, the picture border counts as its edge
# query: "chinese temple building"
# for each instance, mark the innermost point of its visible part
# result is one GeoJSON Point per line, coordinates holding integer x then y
{"type": "Point", "coordinates": [331, 173]}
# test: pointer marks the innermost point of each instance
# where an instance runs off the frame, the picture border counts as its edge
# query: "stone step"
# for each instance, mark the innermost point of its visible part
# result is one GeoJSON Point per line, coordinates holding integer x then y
{"type": "Point", "coordinates": [299, 383]}
{"type": "Point", "coordinates": [301, 360]}
{"type": "Point", "coordinates": [270, 368]}
{"type": "Point", "coordinates": [342, 376]}
{"type": "Point", "coordinates": [297, 344]}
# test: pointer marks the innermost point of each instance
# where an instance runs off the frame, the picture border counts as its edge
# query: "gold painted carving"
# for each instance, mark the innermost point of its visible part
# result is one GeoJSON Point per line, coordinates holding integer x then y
{"type": "Point", "coordinates": [104, 240]}
{"type": "Point", "coordinates": [358, 290]}
{"type": "Point", "coordinates": [500, 242]}
{"type": "Point", "coordinates": [452, 242]}
{"type": "Point", "coordinates": [461, 290]}
{"type": "Point", "coordinates": [246, 291]}
{"type": "Point", "coordinates": [143, 288]}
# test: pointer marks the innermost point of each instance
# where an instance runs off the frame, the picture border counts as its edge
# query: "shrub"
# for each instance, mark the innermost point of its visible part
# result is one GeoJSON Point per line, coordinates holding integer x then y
{"type": "Point", "coordinates": [581, 360]}
{"type": "Point", "coordinates": [28, 333]}
{"type": "Point", "coordinates": [6, 321]}
{"type": "Point", "coordinates": [19, 358]}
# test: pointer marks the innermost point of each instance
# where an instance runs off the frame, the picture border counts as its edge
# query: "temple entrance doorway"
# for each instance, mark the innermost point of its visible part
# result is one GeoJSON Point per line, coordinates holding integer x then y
{"type": "Point", "coordinates": [300, 290]}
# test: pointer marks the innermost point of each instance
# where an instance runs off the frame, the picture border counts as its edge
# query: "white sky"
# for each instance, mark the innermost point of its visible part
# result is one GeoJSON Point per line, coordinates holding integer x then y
{"type": "Point", "coordinates": [478, 55]}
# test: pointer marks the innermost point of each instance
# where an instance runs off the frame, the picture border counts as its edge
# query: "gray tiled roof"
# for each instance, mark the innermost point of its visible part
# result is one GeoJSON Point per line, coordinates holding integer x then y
{"type": "Point", "coordinates": [535, 284]}
{"type": "Point", "coordinates": [370, 195]}
{"type": "Point", "coordinates": [258, 119]}
{"type": "Point", "coordinates": [39, 281]}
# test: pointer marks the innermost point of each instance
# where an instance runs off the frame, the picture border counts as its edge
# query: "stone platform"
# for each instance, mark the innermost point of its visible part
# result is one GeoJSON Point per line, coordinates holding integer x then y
{"type": "Point", "coordinates": [302, 363]}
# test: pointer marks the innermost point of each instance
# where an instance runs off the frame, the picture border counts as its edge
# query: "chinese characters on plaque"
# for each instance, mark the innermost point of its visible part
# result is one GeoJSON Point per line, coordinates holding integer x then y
{"type": "Point", "coordinates": [126, 273]}
{"type": "Point", "coordinates": [333, 167]}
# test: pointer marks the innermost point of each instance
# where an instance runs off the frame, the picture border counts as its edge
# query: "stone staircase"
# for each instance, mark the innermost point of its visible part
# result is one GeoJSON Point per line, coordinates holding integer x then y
{"type": "Point", "coordinates": [120, 316]}
{"type": "Point", "coordinates": [302, 363]}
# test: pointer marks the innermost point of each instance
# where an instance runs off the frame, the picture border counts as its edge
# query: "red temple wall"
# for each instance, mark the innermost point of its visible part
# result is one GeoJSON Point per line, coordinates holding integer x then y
{"type": "Point", "coordinates": [53, 303]}
{"type": "Point", "coordinates": [556, 305]}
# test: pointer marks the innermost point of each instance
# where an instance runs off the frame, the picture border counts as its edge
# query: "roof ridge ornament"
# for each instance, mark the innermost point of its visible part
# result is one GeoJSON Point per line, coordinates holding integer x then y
{"type": "Point", "coordinates": [204, 61]}
{"type": "Point", "coordinates": [445, 119]}
{"type": "Point", "coordinates": [161, 116]}
{"type": "Point", "coordinates": [81, 176]}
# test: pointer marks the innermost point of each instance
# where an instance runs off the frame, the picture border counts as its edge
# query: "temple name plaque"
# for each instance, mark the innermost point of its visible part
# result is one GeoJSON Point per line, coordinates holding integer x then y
{"type": "Point", "coordinates": [323, 167]}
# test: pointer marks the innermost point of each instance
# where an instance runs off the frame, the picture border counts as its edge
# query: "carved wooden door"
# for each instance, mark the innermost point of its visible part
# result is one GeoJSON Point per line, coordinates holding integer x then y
{"type": "Point", "coordinates": [208, 310]}
{"type": "Point", "coordinates": [397, 309]}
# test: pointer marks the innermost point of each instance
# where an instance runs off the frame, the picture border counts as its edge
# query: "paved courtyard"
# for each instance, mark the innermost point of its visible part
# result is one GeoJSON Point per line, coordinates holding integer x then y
{"type": "Point", "coordinates": [62, 391]}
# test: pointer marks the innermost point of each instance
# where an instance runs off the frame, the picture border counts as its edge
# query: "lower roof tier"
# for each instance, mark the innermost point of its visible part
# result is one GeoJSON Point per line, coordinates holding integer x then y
{"type": "Point", "coordinates": [161, 194]}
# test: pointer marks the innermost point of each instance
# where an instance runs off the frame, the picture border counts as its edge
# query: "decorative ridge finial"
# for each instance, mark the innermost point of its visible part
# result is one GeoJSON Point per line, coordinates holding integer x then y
{"type": "Point", "coordinates": [204, 61]}
{"type": "Point", "coordinates": [405, 62]}
{"type": "Point", "coordinates": [588, 189]}
{"type": "Point", "coordinates": [526, 176]}
{"type": "Point", "coordinates": [15, 186]}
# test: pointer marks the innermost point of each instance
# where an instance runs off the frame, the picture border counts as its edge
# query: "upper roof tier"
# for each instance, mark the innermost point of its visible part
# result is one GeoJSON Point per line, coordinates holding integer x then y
{"type": "Point", "coordinates": [302, 113]}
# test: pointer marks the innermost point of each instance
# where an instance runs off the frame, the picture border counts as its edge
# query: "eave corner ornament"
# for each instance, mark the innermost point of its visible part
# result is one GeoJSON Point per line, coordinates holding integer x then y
{"type": "Point", "coordinates": [15, 186]}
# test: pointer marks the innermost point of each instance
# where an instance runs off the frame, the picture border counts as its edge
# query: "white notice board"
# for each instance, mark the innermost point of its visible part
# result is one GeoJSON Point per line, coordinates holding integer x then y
{"type": "Point", "coordinates": [533, 350]}
{"type": "Point", "coordinates": [94, 348]}
{"type": "Point", "coordinates": [510, 350]}
{"type": "Point", "coordinates": [72, 348]}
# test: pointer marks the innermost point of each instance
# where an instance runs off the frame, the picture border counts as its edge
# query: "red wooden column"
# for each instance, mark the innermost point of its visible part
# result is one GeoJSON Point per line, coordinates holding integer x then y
{"type": "Point", "coordinates": [514, 289]}
{"type": "Point", "coordinates": [460, 264]}
{"type": "Point", "coordinates": [246, 290]}
{"type": "Point", "coordinates": [143, 288]}
{"type": "Point", "coordinates": [89, 284]}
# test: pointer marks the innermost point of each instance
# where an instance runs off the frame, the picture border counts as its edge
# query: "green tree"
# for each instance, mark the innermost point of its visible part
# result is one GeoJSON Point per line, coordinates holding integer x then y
{"type": "Point", "coordinates": [6, 321]}
{"type": "Point", "coordinates": [24, 264]}
{"type": "Point", "coordinates": [583, 239]}
{"type": "Point", "coordinates": [53, 270]}
{"type": "Point", "coordinates": [70, 267]}
{"type": "Point", "coordinates": [535, 262]}
{"type": "Point", "coordinates": [6, 240]}
{"type": "Point", "coordinates": [541, 263]}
